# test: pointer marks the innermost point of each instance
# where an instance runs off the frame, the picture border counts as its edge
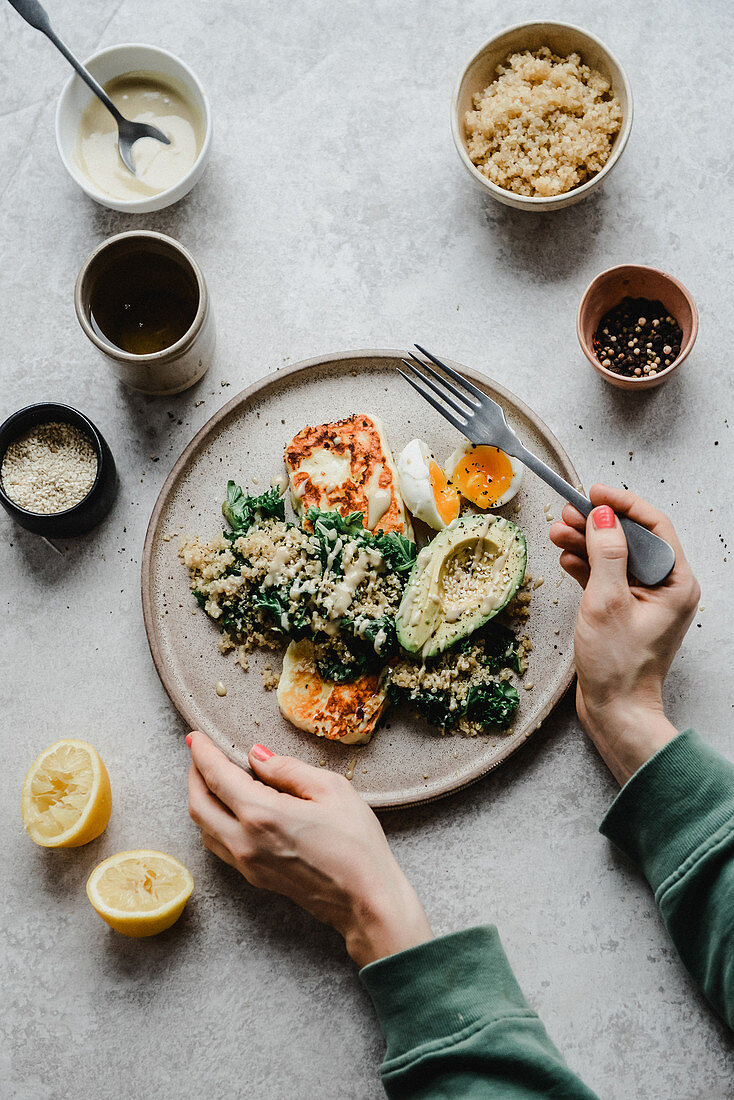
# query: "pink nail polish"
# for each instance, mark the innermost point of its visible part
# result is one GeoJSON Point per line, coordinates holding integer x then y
{"type": "Point", "coordinates": [261, 753]}
{"type": "Point", "coordinates": [188, 739]}
{"type": "Point", "coordinates": [603, 517]}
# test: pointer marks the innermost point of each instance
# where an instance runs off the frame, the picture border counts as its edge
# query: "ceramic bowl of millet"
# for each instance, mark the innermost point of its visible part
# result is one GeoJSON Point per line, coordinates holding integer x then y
{"type": "Point", "coordinates": [93, 507]}
{"type": "Point", "coordinates": [481, 71]}
{"type": "Point", "coordinates": [635, 281]}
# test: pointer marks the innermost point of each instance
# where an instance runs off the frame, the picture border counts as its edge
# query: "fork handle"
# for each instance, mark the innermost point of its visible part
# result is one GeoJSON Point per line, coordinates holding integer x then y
{"type": "Point", "coordinates": [650, 557]}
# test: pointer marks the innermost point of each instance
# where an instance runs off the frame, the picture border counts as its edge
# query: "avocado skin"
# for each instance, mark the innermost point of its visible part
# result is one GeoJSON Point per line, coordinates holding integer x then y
{"type": "Point", "coordinates": [433, 632]}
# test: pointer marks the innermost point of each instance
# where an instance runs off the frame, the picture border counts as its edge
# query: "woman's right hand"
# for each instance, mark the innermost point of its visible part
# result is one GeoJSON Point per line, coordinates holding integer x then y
{"type": "Point", "coordinates": [626, 635]}
{"type": "Point", "coordinates": [306, 833]}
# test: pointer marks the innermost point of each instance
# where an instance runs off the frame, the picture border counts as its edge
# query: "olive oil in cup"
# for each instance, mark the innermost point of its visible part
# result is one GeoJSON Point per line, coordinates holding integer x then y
{"type": "Point", "coordinates": [141, 299]}
{"type": "Point", "coordinates": [143, 303]}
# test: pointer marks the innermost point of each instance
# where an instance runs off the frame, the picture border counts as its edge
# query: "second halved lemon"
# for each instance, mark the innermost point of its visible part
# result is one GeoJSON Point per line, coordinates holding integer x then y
{"type": "Point", "coordinates": [66, 798]}
{"type": "Point", "coordinates": [140, 893]}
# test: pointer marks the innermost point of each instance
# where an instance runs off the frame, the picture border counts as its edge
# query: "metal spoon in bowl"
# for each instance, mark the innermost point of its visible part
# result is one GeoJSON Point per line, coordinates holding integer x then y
{"type": "Point", "coordinates": [127, 132]}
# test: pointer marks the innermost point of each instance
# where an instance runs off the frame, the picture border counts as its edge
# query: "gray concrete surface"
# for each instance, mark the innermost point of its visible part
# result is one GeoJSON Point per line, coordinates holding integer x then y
{"type": "Point", "coordinates": [335, 215]}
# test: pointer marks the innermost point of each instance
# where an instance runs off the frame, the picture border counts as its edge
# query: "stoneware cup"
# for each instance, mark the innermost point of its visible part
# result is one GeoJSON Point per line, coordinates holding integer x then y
{"type": "Point", "coordinates": [162, 372]}
{"type": "Point", "coordinates": [90, 511]}
{"type": "Point", "coordinates": [635, 281]}
{"type": "Point", "coordinates": [563, 39]}
{"type": "Point", "coordinates": [76, 96]}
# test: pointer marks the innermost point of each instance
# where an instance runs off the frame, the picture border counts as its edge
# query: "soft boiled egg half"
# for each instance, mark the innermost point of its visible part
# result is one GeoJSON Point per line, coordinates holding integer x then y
{"type": "Point", "coordinates": [425, 488]}
{"type": "Point", "coordinates": [484, 475]}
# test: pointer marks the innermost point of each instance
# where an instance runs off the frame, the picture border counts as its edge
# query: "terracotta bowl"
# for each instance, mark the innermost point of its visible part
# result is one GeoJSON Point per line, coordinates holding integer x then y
{"type": "Point", "coordinates": [635, 281]}
{"type": "Point", "coordinates": [563, 39]}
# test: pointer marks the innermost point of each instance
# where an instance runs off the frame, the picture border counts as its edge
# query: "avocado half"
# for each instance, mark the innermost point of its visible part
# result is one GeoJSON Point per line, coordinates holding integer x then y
{"type": "Point", "coordinates": [463, 578]}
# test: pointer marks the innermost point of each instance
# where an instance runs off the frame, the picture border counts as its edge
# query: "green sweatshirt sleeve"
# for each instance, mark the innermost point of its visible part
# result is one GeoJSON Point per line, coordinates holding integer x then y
{"type": "Point", "coordinates": [457, 1025]}
{"type": "Point", "coordinates": [675, 819]}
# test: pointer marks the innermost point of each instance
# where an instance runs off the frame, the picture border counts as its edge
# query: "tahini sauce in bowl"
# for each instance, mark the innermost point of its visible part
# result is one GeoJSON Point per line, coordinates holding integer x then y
{"type": "Point", "coordinates": [142, 97]}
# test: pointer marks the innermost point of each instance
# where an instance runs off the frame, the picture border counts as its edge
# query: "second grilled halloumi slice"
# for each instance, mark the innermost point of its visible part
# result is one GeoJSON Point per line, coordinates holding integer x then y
{"type": "Point", "coordinates": [340, 712]}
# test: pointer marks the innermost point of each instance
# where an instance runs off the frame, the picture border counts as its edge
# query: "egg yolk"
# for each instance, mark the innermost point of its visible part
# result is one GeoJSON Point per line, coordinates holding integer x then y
{"type": "Point", "coordinates": [445, 496]}
{"type": "Point", "coordinates": [483, 475]}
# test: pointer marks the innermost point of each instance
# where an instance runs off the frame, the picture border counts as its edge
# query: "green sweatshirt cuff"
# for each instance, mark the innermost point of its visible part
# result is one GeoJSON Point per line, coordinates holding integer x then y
{"type": "Point", "coordinates": [675, 803]}
{"type": "Point", "coordinates": [429, 992]}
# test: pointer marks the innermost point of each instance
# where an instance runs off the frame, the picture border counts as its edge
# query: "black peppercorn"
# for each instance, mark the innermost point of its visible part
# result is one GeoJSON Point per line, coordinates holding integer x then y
{"type": "Point", "coordinates": [638, 337]}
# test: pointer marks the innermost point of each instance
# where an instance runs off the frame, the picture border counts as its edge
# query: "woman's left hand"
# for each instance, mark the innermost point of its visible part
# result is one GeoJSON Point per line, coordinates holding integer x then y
{"type": "Point", "coordinates": [305, 832]}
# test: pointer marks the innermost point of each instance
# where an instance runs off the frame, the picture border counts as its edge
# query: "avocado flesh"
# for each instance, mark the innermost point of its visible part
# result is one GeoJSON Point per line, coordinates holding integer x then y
{"type": "Point", "coordinates": [463, 578]}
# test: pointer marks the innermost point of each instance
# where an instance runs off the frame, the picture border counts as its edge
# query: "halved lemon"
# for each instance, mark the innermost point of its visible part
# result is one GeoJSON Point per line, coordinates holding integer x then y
{"type": "Point", "coordinates": [140, 893]}
{"type": "Point", "coordinates": [66, 799]}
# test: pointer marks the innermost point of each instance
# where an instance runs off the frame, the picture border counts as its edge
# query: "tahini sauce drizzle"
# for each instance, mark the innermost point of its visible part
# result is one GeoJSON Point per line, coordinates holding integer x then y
{"type": "Point", "coordinates": [349, 773]}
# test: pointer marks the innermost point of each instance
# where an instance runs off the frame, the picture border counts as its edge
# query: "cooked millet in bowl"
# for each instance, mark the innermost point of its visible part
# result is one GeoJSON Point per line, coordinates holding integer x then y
{"type": "Point", "coordinates": [544, 126]}
{"type": "Point", "coordinates": [541, 115]}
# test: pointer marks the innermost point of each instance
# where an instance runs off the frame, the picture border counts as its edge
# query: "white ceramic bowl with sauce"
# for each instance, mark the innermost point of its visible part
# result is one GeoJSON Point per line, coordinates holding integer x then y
{"type": "Point", "coordinates": [76, 97]}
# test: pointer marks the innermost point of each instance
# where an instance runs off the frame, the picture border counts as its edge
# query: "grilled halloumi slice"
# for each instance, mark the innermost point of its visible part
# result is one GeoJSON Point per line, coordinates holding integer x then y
{"type": "Point", "coordinates": [340, 712]}
{"type": "Point", "coordinates": [347, 466]}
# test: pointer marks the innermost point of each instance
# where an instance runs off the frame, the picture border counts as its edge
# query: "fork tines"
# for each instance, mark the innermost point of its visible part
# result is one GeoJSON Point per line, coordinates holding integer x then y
{"type": "Point", "coordinates": [451, 373]}
{"type": "Point", "coordinates": [456, 406]}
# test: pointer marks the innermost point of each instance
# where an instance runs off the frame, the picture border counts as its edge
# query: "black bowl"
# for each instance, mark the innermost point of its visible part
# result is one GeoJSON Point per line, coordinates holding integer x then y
{"type": "Point", "coordinates": [90, 511]}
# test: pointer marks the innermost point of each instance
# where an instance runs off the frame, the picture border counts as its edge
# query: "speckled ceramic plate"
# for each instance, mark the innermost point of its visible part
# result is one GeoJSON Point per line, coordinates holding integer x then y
{"type": "Point", "coordinates": [407, 761]}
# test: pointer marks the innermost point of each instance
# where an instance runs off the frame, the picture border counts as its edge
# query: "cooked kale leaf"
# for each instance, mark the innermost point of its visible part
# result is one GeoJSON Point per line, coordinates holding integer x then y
{"type": "Point", "coordinates": [498, 645]}
{"type": "Point", "coordinates": [275, 606]}
{"type": "Point", "coordinates": [501, 649]}
{"type": "Point", "coordinates": [367, 630]}
{"type": "Point", "coordinates": [233, 621]}
{"type": "Point", "coordinates": [282, 620]}
{"type": "Point", "coordinates": [398, 552]}
{"type": "Point", "coordinates": [300, 624]}
{"type": "Point", "coordinates": [434, 706]}
{"type": "Point", "coordinates": [362, 633]}
{"type": "Point", "coordinates": [328, 526]}
{"type": "Point", "coordinates": [241, 511]}
{"type": "Point", "coordinates": [492, 704]}
{"type": "Point", "coordinates": [322, 522]}
{"type": "Point", "coordinates": [342, 673]}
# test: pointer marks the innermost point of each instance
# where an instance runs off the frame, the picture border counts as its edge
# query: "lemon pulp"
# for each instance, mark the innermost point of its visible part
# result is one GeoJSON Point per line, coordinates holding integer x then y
{"type": "Point", "coordinates": [66, 799]}
{"type": "Point", "coordinates": [140, 884]}
{"type": "Point", "coordinates": [140, 893]}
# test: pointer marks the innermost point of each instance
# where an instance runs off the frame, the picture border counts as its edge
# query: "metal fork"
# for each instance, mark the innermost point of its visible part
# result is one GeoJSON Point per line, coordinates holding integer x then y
{"type": "Point", "coordinates": [482, 420]}
{"type": "Point", "coordinates": [127, 132]}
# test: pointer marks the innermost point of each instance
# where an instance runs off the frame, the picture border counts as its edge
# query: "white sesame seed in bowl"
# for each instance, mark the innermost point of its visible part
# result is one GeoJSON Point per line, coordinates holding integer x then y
{"type": "Point", "coordinates": [50, 468]}
{"type": "Point", "coordinates": [57, 473]}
